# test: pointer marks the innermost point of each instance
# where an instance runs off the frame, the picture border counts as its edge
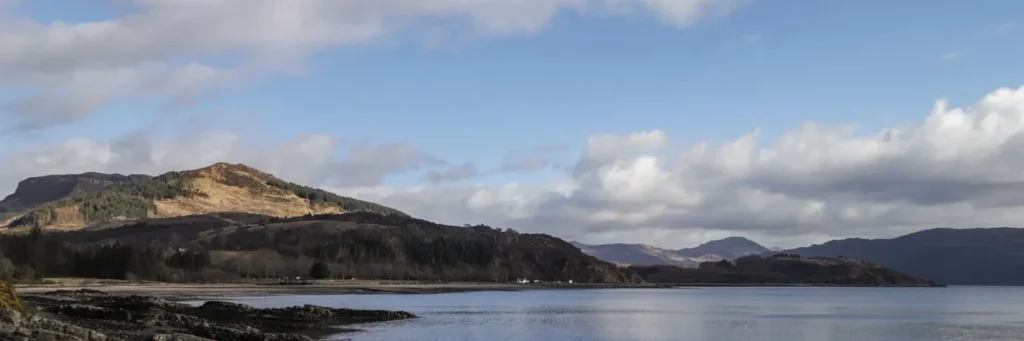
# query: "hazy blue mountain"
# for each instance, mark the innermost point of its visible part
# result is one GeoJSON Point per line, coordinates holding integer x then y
{"type": "Point", "coordinates": [728, 248]}
{"type": "Point", "coordinates": [980, 256]}
{"type": "Point", "coordinates": [643, 254]}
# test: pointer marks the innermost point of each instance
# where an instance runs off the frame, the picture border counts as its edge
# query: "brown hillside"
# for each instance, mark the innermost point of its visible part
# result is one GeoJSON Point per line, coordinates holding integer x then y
{"type": "Point", "coordinates": [221, 187]}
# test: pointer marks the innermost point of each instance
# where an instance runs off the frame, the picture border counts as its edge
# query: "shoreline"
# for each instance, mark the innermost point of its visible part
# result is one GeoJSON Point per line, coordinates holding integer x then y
{"type": "Point", "coordinates": [193, 292]}
{"type": "Point", "coordinates": [90, 314]}
{"type": "Point", "coordinates": [179, 292]}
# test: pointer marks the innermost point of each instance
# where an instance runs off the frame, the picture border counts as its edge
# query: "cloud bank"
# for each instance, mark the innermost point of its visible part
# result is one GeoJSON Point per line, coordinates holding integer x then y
{"type": "Point", "coordinates": [957, 167]}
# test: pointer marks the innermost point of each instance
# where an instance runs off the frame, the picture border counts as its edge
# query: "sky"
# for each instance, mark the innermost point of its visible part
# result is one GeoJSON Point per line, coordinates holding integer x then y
{"type": "Point", "coordinates": [666, 122]}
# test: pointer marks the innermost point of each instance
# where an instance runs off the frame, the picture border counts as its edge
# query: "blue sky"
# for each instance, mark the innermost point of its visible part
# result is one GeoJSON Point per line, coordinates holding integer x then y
{"type": "Point", "coordinates": [771, 65]}
{"type": "Point", "coordinates": [470, 96]}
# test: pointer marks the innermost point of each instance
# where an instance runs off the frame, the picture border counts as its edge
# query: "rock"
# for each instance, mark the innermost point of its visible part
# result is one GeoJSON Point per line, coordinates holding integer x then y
{"type": "Point", "coordinates": [173, 320]}
{"type": "Point", "coordinates": [96, 316]}
{"type": "Point", "coordinates": [46, 329]}
{"type": "Point", "coordinates": [226, 333]}
{"type": "Point", "coordinates": [67, 329]}
{"type": "Point", "coordinates": [79, 293]}
{"type": "Point", "coordinates": [318, 313]}
{"type": "Point", "coordinates": [49, 335]}
{"type": "Point", "coordinates": [375, 315]}
{"type": "Point", "coordinates": [135, 303]}
{"type": "Point", "coordinates": [305, 312]}
{"type": "Point", "coordinates": [227, 307]}
{"type": "Point", "coordinates": [15, 324]}
{"type": "Point", "coordinates": [10, 316]}
{"type": "Point", "coordinates": [91, 312]}
{"type": "Point", "coordinates": [286, 337]}
{"type": "Point", "coordinates": [176, 337]}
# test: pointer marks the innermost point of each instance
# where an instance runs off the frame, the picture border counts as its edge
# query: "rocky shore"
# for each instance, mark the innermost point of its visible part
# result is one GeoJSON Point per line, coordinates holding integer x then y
{"type": "Point", "coordinates": [94, 315]}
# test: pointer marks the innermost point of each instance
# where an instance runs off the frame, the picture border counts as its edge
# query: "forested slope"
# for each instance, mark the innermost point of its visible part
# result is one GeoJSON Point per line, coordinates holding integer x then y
{"type": "Point", "coordinates": [782, 269]}
{"type": "Point", "coordinates": [224, 247]}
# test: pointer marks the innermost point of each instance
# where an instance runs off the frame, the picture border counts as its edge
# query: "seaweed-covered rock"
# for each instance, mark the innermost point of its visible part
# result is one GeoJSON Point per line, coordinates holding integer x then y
{"type": "Point", "coordinates": [69, 331]}
{"type": "Point", "coordinates": [78, 293]}
{"type": "Point", "coordinates": [96, 316]}
{"type": "Point", "coordinates": [135, 303]}
{"type": "Point", "coordinates": [227, 307]}
{"type": "Point", "coordinates": [90, 311]}
{"type": "Point", "coordinates": [176, 337]}
{"type": "Point", "coordinates": [14, 326]}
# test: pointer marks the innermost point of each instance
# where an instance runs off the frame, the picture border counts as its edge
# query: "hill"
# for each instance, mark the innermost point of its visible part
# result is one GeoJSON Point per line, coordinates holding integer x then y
{"type": "Point", "coordinates": [781, 269]}
{"type": "Point", "coordinates": [229, 246]}
{"type": "Point", "coordinates": [727, 248]}
{"type": "Point", "coordinates": [36, 191]}
{"type": "Point", "coordinates": [76, 201]}
{"type": "Point", "coordinates": [980, 256]}
{"type": "Point", "coordinates": [643, 254]}
{"type": "Point", "coordinates": [627, 254]}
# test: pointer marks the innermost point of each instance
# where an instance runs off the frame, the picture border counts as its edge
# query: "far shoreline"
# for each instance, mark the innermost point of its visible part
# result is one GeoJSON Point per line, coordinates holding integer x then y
{"type": "Point", "coordinates": [198, 291]}
{"type": "Point", "coordinates": [192, 291]}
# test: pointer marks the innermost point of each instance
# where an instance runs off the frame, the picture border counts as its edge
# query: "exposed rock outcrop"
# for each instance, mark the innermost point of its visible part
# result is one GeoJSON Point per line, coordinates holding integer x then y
{"type": "Point", "coordinates": [91, 315]}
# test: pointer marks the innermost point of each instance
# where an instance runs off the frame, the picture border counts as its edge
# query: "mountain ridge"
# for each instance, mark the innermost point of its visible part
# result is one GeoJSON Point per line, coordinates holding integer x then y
{"type": "Point", "coordinates": [975, 256]}
{"type": "Point", "coordinates": [37, 190]}
{"type": "Point", "coordinates": [221, 187]}
{"type": "Point", "coordinates": [642, 254]}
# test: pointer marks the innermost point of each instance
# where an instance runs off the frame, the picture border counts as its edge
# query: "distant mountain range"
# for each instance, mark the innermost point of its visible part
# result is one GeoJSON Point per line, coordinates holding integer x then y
{"type": "Point", "coordinates": [980, 256]}
{"type": "Point", "coordinates": [643, 254]}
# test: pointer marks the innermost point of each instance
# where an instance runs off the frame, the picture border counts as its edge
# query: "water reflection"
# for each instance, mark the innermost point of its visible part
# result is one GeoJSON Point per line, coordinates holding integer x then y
{"type": "Point", "coordinates": [707, 314]}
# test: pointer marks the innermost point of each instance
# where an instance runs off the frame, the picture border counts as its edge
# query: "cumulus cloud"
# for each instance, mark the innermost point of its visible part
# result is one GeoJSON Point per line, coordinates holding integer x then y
{"type": "Point", "coordinates": [162, 49]}
{"type": "Point", "coordinates": [308, 159]}
{"type": "Point", "coordinates": [959, 167]}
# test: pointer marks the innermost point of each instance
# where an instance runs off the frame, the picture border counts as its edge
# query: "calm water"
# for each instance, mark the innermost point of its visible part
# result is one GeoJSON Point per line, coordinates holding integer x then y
{"type": "Point", "coordinates": [711, 314]}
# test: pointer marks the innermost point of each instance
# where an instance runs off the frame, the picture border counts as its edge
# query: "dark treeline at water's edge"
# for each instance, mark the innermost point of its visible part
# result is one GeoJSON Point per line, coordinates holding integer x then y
{"type": "Point", "coordinates": [786, 269]}
{"type": "Point", "coordinates": [233, 246]}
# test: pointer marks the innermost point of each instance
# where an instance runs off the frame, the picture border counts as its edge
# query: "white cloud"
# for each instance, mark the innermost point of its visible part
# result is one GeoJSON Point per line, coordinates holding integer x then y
{"type": "Point", "coordinates": [958, 167]}
{"type": "Point", "coordinates": [162, 49]}
{"type": "Point", "coordinates": [307, 159]}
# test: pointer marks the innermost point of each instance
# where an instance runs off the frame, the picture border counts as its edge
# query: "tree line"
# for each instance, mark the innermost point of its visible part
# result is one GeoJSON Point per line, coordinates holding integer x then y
{"type": "Point", "coordinates": [38, 254]}
{"type": "Point", "coordinates": [356, 245]}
